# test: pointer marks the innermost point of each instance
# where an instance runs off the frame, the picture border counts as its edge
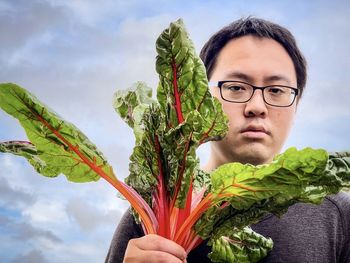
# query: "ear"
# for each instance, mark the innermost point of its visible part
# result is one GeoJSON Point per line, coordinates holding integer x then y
{"type": "Point", "coordinates": [297, 103]}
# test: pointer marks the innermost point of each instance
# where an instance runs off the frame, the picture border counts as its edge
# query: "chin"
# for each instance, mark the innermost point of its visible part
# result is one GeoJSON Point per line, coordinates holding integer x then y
{"type": "Point", "coordinates": [254, 160]}
{"type": "Point", "coordinates": [254, 156]}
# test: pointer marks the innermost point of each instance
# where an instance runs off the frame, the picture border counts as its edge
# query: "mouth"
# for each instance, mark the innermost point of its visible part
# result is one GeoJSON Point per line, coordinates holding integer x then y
{"type": "Point", "coordinates": [254, 132]}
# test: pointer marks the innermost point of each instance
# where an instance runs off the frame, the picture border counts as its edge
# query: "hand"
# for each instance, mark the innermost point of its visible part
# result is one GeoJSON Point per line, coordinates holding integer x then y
{"type": "Point", "coordinates": [154, 248]}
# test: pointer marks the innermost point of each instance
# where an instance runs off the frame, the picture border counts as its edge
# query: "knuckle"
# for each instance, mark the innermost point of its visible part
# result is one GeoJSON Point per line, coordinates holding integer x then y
{"type": "Point", "coordinates": [158, 244]}
{"type": "Point", "coordinates": [161, 258]}
{"type": "Point", "coordinates": [128, 258]}
{"type": "Point", "coordinates": [132, 242]}
{"type": "Point", "coordinates": [133, 256]}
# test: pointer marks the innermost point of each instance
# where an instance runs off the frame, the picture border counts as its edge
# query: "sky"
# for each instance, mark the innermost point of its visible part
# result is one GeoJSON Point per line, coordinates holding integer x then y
{"type": "Point", "coordinates": [74, 54]}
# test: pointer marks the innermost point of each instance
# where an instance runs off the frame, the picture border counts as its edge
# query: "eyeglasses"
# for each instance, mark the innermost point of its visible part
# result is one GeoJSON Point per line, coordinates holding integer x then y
{"type": "Point", "coordinates": [240, 92]}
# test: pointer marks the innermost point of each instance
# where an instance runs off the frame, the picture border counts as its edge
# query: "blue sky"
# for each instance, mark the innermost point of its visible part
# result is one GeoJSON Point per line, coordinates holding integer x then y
{"type": "Point", "coordinates": [73, 55]}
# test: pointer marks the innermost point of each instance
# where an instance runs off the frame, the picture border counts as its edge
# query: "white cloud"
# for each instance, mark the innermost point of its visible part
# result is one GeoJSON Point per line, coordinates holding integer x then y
{"type": "Point", "coordinates": [16, 172]}
{"type": "Point", "coordinates": [89, 216]}
{"type": "Point", "coordinates": [18, 237]}
{"type": "Point", "coordinates": [92, 12]}
{"type": "Point", "coordinates": [16, 198]}
{"type": "Point", "coordinates": [21, 23]}
{"type": "Point", "coordinates": [25, 231]}
{"type": "Point", "coordinates": [46, 212]}
{"type": "Point", "coordinates": [34, 256]}
{"type": "Point", "coordinates": [78, 251]}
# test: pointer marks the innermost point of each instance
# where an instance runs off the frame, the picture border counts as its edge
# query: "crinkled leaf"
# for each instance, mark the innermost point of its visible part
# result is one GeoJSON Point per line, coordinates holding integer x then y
{"type": "Point", "coordinates": [288, 174]}
{"type": "Point", "coordinates": [192, 115]}
{"type": "Point", "coordinates": [25, 149]}
{"type": "Point", "coordinates": [59, 144]}
{"type": "Point", "coordinates": [187, 116]}
{"type": "Point", "coordinates": [252, 191]}
{"type": "Point", "coordinates": [183, 86]}
{"type": "Point", "coordinates": [180, 152]}
{"type": "Point", "coordinates": [202, 180]}
{"type": "Point", "coordinates": [338, 169]}
{"type": "Point", "coordinates": [240, 246]}
{"type": "Point", "coordinates": [131, 104]}
{"type": "Point", "coordinates": [147, 160]}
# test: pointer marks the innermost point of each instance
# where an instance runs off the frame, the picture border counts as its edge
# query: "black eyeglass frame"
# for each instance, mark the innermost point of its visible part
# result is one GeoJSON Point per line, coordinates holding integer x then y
{"type": "Point", "coordinates": [221, 82]}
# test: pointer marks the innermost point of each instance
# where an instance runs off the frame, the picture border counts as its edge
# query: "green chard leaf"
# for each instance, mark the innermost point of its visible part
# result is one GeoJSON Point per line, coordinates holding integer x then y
{"type": "Point", "coordinates": [245, 193]}
{"type": "Point", "coordinates": [192, 115]}
{"type": "Point", "coordinates": [183, 86]}
{"type": "Point", "coordinates": [286, 176]}
{"type": "Point", "coordinates": [168, 131]}
{"type": "Point", "coordinates": [131, 104]}
{"type": "Point", "coordinates": [137, 108]}
{"type": "Point", "coordinates": [147, 161]}
{"type": "Point", "coordinates": [248, 192]}
{"type": "Point", "coordinates": [25, 149]}
{"type": "Point", "coordinates": [240, 246]}
{"type": "Point", "coordinates": [57, 146]}
{"type": "Point", "coordinates": [338, 168]}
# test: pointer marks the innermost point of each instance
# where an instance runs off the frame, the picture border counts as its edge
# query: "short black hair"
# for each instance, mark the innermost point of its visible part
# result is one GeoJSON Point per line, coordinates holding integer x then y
{"type": "Point", "coordinates": [260, 28]}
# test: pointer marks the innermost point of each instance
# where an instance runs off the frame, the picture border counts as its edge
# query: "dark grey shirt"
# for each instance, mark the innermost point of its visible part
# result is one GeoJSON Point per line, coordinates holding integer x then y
{"type": "Point", "coordinates": [306, 233]}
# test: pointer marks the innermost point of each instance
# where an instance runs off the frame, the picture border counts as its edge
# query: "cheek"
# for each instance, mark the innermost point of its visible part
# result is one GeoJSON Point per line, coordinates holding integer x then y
{"type": "Point", "coordinates": [283, 123]}
{"type": "Point", "coordinates": [233, 111]}
{"type": "Point", "coordinates": [230, 109]}
{"type": "Point", "coordinates": [215, 92]}
{"type": "Point", "coordinates": [236, 118]}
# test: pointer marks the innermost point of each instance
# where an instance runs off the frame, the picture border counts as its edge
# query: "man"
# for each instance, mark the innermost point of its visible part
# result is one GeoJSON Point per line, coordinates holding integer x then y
{"type": "Point", "coordinates": [259, 74]}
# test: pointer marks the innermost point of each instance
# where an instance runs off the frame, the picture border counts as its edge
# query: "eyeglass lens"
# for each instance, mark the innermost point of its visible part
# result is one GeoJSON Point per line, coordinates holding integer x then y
{"type": "Point", "coordinates": [242, 92]}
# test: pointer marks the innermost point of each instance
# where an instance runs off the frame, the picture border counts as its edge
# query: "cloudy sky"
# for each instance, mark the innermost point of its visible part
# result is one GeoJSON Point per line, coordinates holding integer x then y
{"type": "Point", "coordinates": [75, 54]}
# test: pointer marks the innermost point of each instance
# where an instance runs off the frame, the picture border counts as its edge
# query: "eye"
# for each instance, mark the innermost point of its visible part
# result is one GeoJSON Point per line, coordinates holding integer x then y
{"type": "Point", "coordinates": [276, 90]}
{"type": "Point", "coordinates": [235, 87]}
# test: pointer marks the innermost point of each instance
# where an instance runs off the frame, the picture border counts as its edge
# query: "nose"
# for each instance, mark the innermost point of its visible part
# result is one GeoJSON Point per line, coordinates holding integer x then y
{"type": "Point", "coordinates": [256, 106]}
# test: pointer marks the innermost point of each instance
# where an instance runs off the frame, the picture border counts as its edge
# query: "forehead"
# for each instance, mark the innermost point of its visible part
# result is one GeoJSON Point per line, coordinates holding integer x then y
{"type": "Point", "coordinates": [256, 57]}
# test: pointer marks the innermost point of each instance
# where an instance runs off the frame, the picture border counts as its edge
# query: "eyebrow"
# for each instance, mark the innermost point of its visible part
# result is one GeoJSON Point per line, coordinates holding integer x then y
{"type": "Point", "coordinates": [277, 78]}
{"type": "Point", "coordinates": [244, 77]}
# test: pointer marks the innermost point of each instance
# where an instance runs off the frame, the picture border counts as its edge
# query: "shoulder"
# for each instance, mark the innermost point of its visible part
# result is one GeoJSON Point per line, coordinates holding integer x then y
{"type": "Point", "coordinates": [333, 206]}
{"type": "Point", "coordinates": [341, 203]}
{"type": "Point", "coordinates": [340, 200]}
{"type": "Point", "coordinates": [127, 224]}
{"type": "Point", "coordinates": [334, 210]}
{"type": "Point", "coordinates": [127, 229]}
{"type": "Point", "coordinates": [323, 229]}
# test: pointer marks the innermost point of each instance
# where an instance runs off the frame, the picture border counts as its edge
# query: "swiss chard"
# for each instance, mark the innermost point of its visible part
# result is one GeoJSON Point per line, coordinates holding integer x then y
{"type": "Point", "coordinates": [170, 195]}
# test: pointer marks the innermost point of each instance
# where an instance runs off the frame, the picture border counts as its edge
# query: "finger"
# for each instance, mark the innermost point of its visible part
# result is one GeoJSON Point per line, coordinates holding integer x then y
{"type": "Point", "coordinates": [158, 243]}
{"type": "Point", "coordinates": [160, 256]}
{"type": "Point", "coordinates": [149, 256]}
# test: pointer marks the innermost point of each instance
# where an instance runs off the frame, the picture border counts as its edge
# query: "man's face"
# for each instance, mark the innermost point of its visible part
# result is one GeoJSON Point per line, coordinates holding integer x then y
{"type": "Point", "coordinates": [257, 131]}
